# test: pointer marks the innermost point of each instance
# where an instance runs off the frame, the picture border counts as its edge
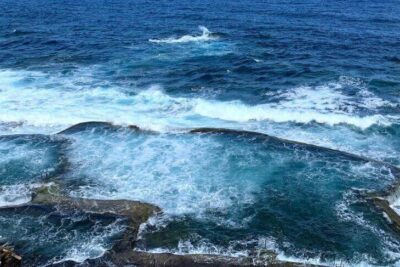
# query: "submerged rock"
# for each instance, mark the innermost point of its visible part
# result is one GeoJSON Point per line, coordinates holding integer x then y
{"type": "Point", "coordinates": [384, 201]}
{"type": "Point", "coordinates": [89, 125]}
{"type": "Point", "coordinates": [136, 211]}
{"type": "Point", "coordinates": [8, 258]}
{"type": "Point", "coordinates": [395, 170]}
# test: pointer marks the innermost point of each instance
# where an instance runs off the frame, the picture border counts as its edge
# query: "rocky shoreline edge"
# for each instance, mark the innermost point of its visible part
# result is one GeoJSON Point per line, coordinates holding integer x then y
{"type": "Point", "coordinates": [123, 251]}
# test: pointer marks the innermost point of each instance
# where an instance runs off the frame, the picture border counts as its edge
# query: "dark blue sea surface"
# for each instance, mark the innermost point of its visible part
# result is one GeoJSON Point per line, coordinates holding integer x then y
{"type": "Point", "coordinates": [325, 73]}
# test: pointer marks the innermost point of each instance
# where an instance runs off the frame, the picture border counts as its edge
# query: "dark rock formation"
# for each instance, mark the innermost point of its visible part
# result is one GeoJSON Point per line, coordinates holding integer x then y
{"type": "Point", "coordinates": [146, 259]}
{"type": "Point", "coordinates": [8, 258]}
{"type": "Point", "coordinates": [384, 205]}
{"type": "Point", "coordinates": [137, 211]}
{"type": "Point", "coordinates": [99, 125]}
{"type": "Point", "coordinates": [83, 126]}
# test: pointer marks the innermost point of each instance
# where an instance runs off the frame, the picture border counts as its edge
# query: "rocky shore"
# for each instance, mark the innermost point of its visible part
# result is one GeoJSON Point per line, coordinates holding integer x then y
{"type": "Point", "coordinates": [123, 251]}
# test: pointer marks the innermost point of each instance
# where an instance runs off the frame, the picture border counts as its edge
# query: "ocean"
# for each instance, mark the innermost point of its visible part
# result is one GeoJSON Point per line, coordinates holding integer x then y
{"type": "Point", "coordinates": [323, 77]}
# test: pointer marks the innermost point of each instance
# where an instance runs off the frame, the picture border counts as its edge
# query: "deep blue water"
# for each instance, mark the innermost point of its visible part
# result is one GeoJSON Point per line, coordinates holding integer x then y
{"type": "Point", "coordinates": [321, 72]}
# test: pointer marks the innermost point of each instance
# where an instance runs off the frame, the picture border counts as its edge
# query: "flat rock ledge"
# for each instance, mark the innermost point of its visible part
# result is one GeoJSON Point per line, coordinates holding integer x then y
{"type": "Point", "coordinates": [148, 259]}
{"type": "Point", "coordinates": [137, 212]}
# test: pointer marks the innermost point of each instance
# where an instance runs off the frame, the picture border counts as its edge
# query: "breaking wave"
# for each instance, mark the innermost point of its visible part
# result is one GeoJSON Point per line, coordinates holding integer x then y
{"type": "Point", "coordinates": [206, 35]}
{"type": "Point", "coordinates": [32, 100]}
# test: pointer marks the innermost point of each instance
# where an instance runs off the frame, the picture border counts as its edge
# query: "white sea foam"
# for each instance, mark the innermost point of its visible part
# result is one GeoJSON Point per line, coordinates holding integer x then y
{"type": "Point", "coordinates": [30, 161]}
{"type": "Point", "coordinates": [237, 248]}
{"type": "Point", "coordinates": [205, 247]}
{"type": "Point", "coordinates": [206, 35]}
{"type": "Point", "coordinates": [92, 246]}
{"type": "Point", "coordinates": [17, 194]}
{"type": "Point", "coordinates": [35, 100]}
{"type": "Point", "coordinates": [14, 195]}
{"type": "Point", "coordinates": [202, 247]}
{"type": "Point", "coordinates": [182, 176]}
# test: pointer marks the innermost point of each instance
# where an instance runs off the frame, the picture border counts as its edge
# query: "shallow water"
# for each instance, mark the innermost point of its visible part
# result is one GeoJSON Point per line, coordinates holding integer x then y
{"type": "Point", "coordinates": [321, 73]}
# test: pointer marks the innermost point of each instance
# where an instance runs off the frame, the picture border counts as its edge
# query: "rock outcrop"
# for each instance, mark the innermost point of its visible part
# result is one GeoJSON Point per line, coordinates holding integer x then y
{"type": "Point", "coordinates": [8, 258]}
{"type": "Point", "coordinates": [146, 259]}
{"type": "Point", "coordinates": [136, 213]}
{"type": "Point", "coordinates": [392, 215]}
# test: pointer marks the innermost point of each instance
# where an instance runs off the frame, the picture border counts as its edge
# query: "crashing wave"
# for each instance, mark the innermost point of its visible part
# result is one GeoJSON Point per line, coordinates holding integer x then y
{"type": "Point", "coordinates": [14, 195]}
{"type": "Point", "coordinates": [28, 105]}
{"type": "Point", "coordinates": [206, 35]}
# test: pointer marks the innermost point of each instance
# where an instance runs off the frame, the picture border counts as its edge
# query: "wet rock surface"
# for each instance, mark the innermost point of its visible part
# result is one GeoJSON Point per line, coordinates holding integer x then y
{"type": "Point", "coordinates": [136, 211]}
{"type": "Point", "coordinates": [392, 216]}
{"type": "Point", "coordinates": [137, 258]}
{"type": "Point", "coordinates": [147, 259]}
{"type": "Point", "coordinates": [8, 258]}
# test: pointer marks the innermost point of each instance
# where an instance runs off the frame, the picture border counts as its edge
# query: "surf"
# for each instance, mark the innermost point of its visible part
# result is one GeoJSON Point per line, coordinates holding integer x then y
{"type": "Point", "coordinates": [205, 36]}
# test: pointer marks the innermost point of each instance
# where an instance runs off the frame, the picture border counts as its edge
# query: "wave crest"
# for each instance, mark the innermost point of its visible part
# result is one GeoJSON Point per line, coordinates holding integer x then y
{"type": "Point", "coordinates": [25, 99]}
{"type": "Point", "coordinates": [206, 35]}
